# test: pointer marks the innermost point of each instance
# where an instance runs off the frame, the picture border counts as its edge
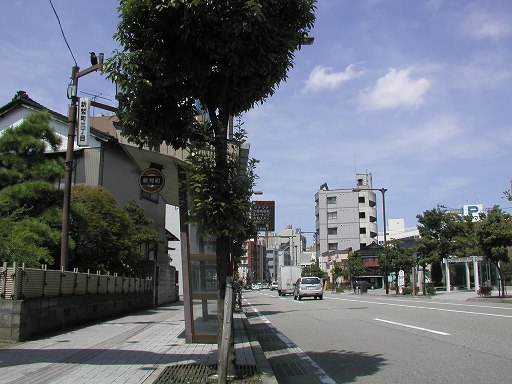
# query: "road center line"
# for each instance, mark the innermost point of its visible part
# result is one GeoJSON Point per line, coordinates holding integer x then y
{"type": "Point", "coordinates": [413, 327]}
{"type": "Point", "coordinates": [419, 307]}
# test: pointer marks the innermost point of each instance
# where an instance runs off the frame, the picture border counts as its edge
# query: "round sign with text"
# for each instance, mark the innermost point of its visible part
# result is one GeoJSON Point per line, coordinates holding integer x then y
{"type": "Point", "coordinates": [151, 180]}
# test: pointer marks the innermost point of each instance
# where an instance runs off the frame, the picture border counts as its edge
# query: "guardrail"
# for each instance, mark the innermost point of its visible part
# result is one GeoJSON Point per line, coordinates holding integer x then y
{"type": "Point", "coordinates": [20, 283]}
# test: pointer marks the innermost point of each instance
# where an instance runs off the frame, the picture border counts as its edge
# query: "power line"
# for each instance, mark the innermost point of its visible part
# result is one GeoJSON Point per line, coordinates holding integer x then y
{"type": "Point", "coordinates": [63, 35]}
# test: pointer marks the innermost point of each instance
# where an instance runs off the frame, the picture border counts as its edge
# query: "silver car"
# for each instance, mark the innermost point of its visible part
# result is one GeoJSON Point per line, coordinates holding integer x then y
{"type": "Point", "coordinates": [310, 286]}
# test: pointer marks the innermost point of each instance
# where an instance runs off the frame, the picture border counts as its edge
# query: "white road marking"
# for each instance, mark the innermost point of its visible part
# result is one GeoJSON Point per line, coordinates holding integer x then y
{"type": "Point", "coordinates": [509, 308]}
{"type": "Point", "coordinates": [319, 372]}
{"type": "Point", "coordinates": [420, 307]}
{"type": "Point", "coordinates": [413, 327]}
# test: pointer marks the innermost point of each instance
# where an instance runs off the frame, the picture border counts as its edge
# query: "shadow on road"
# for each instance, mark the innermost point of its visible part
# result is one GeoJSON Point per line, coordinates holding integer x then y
{"type": "Point", "coordinates": [346, 366]}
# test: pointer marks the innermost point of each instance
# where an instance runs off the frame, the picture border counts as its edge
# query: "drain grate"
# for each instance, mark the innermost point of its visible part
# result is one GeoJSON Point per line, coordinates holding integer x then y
{"type": "Point", "coordinates": [200, 373]}
{"type": "Point", "coordinates": [289, 369]}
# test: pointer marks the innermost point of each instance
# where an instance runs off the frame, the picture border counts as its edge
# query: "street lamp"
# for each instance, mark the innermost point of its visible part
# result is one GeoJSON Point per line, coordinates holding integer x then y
{"type": "Point", "coordinates": [383, 191]}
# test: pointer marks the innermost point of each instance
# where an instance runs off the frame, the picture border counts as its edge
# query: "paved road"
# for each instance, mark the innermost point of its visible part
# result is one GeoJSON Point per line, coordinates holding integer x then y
{"type": "Point", "coordinates": [377, 339]}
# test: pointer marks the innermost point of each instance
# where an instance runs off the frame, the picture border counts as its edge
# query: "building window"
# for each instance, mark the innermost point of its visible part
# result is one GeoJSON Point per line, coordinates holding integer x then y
{"type": "Point", "coordinates": [362, 199]}
{"type": "Point", "coordinates": [332, 215]}
{"type": "Point", "coordinates": [331, 199]}
{"type": "Point", "coordinates": [362, 231]}
{"type": "Point", "coordinates": [362, 215]}
{"type": "Point", "coordinates": [332, 246]}
{"type": "Point", "coordinates": [332, 231]}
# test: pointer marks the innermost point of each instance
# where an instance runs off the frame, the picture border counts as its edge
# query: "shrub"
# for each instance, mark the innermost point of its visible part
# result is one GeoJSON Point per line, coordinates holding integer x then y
{"type": "Point", "coordinates": [407, 291]}
{"type": "Point", "coordinates": [485, 291]}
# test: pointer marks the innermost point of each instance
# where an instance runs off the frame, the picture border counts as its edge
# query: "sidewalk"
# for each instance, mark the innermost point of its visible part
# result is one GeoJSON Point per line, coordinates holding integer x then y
{"type": "Point", "coordinates": [458, 295]}
{"type": "Point", "coordinates": [133, 349]}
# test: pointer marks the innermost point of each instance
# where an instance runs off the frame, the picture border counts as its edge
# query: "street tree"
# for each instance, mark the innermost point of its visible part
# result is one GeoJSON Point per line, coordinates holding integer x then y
{"type": "Point", "coordinates": [495, 238]}
{"type": "Point", "coordinates": [438, 230]}
{"type": "Point", "coordinates": [398, 257]}
{"type": "Point", "coordinates": [337, 271]}
{"type": "Point", "coordinates": [29, 202]}
{"type": "Point", "coordinates": [226, 55]}
{"type": "Point", "coordinates": [465, 241]}
{"type": "Point", "coordinates": [314, 270]}
{"type": "Point", "coordinates": [355, 265]}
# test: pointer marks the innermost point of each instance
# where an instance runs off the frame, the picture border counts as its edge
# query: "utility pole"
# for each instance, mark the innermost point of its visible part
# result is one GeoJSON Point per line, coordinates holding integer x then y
{"type": "Point", "coordinates": [68, 165]}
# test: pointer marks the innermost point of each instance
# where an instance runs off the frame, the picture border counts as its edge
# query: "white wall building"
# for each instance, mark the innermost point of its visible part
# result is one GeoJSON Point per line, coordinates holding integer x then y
{"type": "Point", "coordinates": [396, 230]}
{"type": "Point", "coordinates": [346, 218]}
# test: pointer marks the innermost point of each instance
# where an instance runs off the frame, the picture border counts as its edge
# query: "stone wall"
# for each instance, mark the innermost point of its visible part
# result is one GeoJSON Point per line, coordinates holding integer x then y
{"type": "Point", "coordinates": [22, 320]}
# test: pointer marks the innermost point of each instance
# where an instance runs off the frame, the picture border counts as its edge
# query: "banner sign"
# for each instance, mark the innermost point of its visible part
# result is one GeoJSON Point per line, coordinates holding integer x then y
{"type": "Point", "coordinates": [263, 215]}
{"type": "Point", "coordinates": [151, 180]}
{"type": "Point", "coordinates": [84, 129]}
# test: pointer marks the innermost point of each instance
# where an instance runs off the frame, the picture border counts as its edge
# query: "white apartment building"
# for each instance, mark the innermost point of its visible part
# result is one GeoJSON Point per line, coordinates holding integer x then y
{"type": "Point", "coordinates": [346, 218]}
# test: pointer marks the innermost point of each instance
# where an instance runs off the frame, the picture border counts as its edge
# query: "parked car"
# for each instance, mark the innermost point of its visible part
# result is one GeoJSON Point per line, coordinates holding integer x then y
{"type": "Point", "coordinates": [369, 285]}
{"type": "Point", "coordinates": [265, 286]}
{"type": "Point", "coordinates": [256, 286]}
{"type": "Point", "coordinates": [274, 285]}
{"type": "Point", "coordinates": [310, 286]}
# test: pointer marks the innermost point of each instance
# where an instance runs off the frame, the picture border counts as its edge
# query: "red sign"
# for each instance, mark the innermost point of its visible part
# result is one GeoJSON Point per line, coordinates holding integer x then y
{"type": "Point", "coordinates": [151, 180]}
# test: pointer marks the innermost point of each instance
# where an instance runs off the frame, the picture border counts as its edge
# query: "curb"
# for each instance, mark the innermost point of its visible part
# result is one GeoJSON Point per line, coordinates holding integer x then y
{"type": "Point", "coordinates": [264, 368]}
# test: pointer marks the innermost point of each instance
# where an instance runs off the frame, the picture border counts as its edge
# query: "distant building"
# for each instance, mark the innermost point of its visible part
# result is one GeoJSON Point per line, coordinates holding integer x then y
{"type": "Point", "coordinates": [396, 230]}
{"type": "Point", "coordinates": [346, 218]}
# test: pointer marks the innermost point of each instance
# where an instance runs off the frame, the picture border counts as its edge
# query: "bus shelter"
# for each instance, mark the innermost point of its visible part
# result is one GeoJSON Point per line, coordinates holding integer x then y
{"type": "Point", "coordinates": [477, 272]}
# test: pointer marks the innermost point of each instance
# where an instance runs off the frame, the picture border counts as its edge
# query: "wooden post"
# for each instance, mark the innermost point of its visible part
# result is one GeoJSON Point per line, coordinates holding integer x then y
{"type": "Point", "coordinates": [226, 332]}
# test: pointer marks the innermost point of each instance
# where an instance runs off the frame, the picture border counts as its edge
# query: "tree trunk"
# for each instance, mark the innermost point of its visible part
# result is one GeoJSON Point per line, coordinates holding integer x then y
{"type": "Point", "coordinates": [424, 280]}
{"type": "Point", "coordinates": [223, 242]}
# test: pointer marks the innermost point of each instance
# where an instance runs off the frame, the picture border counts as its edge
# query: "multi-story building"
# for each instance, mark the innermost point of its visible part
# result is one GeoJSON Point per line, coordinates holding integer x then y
{"type": "Point", "coordinates": [346, 218]}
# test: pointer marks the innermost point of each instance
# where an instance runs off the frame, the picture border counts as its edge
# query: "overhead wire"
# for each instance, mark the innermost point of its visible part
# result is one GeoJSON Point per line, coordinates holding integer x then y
{"type": "Point", "coordinates": [63, 35]}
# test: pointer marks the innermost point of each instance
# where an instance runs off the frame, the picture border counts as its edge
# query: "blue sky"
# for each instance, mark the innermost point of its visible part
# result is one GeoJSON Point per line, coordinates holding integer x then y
{"type": "Point", "coordinates": [415, 92]}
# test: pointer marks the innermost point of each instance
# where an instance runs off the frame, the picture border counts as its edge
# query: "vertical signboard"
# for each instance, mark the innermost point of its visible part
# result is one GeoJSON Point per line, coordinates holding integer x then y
{"type": "Point", "coordinates": [263, 215]}
{"type": "Point", "coordinates": [82, 138]}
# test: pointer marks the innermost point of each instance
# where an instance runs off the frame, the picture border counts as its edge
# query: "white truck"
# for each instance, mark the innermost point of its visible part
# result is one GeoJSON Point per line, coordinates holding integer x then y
{"type": "Point", "coordinates": [287, 275]}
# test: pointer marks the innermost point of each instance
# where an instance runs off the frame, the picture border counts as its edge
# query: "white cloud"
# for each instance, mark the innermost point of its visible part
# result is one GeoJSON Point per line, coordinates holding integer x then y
{"type": "Point", "coordinates": [322, 78]}
{"type": "Point", "coordinates": [484, 25]}
{"type": "Point", "coordinates": [395, 90]}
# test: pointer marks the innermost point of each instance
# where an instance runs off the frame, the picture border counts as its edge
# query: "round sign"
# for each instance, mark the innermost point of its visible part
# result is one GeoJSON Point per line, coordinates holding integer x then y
{"type": "Point", "coordinates": [151, 180]}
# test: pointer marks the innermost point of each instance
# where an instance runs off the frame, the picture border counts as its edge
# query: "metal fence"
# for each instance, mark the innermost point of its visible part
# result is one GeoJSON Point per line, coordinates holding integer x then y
{"type": "Point", "coordinates": [19, 283]}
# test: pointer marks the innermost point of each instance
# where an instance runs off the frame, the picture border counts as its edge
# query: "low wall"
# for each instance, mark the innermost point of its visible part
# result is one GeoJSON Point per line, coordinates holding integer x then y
{"type": "Point", "coordinates": [21, 320]}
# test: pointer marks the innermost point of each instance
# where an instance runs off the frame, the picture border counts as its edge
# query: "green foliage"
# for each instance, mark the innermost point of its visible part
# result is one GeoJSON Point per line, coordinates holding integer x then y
{"type": "Point", "coordinates": [485, 291]}
{"type": "Point", "coordinates": [438, 231]}
{"type": "Point", "coordinates": [494, 235]}
{"type": "Point", "coordinates": [29, 203]}
{"type": "Point", "coordinates": [22, 151]}
{"type": "Point", "coordinates": [338, 270]}
{"type": "Point", "coordinates": [407, 291]}
{"type": "Point", "coordinates": [107, 235]}
{"type": "Point", "coordinates": [314, 270]}
{"type": "Point", "coordinates": [27, 240]}
{"type": "Point", "coordinates": [398, 258]}
{"type": "Point", "coordinates": [229, 55]}
{"type": "Point", "coordinates": [222, 206]}
{"type": "Point", "coordinates": [506, 270]}
{"type": "Point", "coordinates": [466, 241]}
{"type": "Point", "coordinates": [355, 265]}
